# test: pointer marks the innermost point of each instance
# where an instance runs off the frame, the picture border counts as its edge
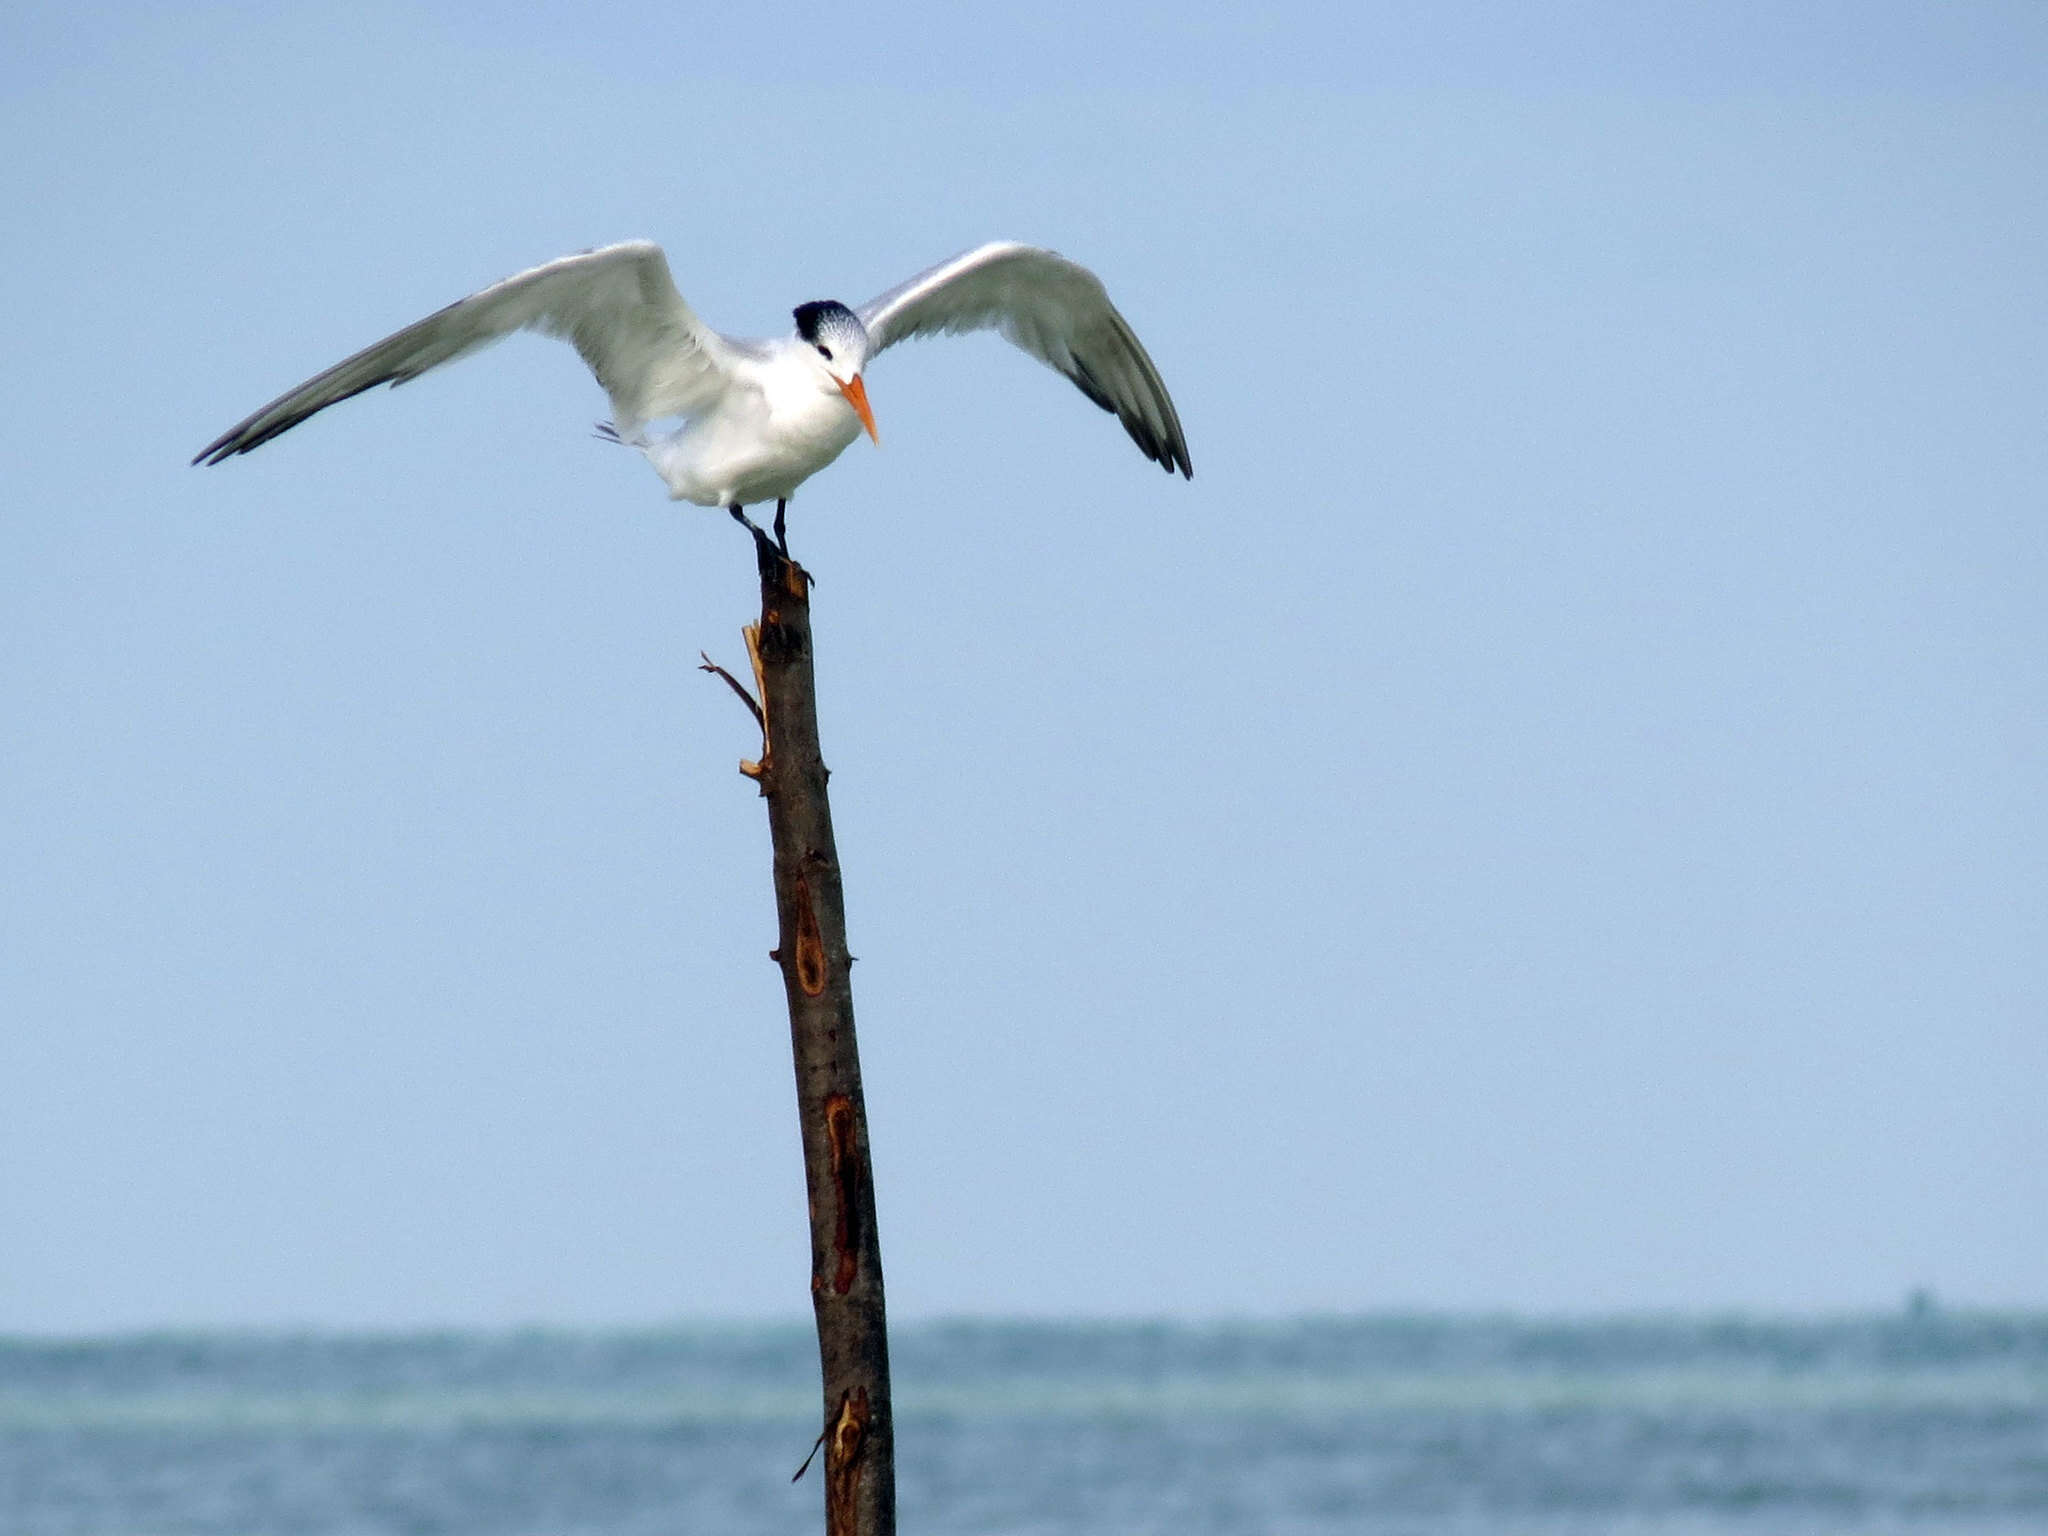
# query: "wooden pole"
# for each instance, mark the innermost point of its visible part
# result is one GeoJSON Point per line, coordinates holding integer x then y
{"type": "Point", "coordinates": [846, 1263]}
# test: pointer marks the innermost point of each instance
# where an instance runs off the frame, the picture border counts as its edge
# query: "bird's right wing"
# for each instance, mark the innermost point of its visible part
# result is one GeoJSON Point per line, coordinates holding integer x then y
{"type": "Point", "coordinates": [617, 306]}
{"type": "Point", "coordinates": [1055, 309]}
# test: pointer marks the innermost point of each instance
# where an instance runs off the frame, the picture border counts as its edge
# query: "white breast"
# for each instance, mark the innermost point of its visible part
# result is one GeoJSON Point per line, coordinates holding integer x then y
{"type": "Point", "coordinates": [761, 441]}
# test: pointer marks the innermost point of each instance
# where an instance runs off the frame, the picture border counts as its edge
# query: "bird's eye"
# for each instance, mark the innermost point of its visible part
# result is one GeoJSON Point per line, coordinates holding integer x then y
{"type": "Point", "coordinates": [825, 353]}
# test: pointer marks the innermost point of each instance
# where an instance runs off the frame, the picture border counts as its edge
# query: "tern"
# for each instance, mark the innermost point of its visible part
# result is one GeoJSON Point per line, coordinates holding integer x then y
{"type": "Point", "coordinates": [757, 418]}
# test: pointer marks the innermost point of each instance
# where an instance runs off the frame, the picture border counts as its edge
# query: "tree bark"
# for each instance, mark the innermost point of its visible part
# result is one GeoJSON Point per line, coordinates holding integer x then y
{"type": "Point", "coordinates": [846, 1264]}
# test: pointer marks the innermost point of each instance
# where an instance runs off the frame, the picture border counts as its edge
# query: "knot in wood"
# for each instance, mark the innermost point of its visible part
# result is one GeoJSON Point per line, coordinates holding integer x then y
{"type": "Point", "coordinates": [841, 1140]}
{"type": "Point", "coordinates": [810, 943]}
{"type": "Point", "coordinates": [845, 1439]}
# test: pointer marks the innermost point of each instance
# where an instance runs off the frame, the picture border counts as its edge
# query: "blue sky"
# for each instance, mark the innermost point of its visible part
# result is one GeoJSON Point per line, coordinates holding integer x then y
{"type": "Point", "coordinates": [1550, 818]}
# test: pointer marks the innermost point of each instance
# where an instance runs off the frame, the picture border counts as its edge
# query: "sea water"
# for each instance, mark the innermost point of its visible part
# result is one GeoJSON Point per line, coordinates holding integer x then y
{"type": "Point", "coordinates": [1929, 1422]}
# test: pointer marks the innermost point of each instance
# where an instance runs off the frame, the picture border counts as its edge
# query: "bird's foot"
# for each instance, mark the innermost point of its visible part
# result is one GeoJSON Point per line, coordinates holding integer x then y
{"type": "Point", "coordinates": [772, 554]}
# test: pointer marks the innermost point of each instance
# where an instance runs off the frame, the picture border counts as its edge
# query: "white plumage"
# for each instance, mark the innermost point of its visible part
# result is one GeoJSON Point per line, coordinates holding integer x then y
{"type": "Point", "coordinates": [758, 417]}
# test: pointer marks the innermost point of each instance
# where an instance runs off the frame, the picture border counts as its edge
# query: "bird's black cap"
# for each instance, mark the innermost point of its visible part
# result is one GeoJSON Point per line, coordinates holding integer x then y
{"type": "Point", "coordinates": [820, 313]}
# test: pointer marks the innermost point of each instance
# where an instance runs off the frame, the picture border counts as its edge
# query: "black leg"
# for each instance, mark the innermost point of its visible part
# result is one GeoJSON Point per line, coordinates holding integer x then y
{"type": "Point", "coordinates": [781, 532]}
{"type": "Point", "coordinates": [770, 554]}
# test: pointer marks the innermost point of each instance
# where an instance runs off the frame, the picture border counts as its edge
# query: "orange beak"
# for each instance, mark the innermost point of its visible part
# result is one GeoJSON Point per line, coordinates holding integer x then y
{"type": "Point", "coordinates": [857, 396]}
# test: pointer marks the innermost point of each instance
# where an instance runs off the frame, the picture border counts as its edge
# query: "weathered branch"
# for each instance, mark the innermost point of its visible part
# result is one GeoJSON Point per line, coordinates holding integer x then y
{"type": "Point", "coordinates": [846, 1264]}
{"type": "Point", "coordinates": [739, 688]}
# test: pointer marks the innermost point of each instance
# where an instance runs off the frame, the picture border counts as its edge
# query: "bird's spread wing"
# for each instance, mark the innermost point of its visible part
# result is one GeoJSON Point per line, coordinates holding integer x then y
{"type": "Point", "coordinates": [1055, 310]}
{"type": "Point", "coordinates": [617, 306]}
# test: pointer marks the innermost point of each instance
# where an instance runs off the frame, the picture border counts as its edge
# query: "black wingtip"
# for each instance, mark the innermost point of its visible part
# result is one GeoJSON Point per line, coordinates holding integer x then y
{"type": "Point", "coordinates": [221, 449]}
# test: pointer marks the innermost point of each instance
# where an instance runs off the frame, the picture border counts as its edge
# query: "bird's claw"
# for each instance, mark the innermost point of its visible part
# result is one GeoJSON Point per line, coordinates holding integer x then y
{"type": "Point", "coordinates": [772, 552]}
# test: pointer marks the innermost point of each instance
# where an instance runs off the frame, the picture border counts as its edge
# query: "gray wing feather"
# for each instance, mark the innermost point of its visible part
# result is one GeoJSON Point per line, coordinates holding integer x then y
{"type": "Point", "coordinates": [1054, 309]}
{"type": "Point", "coordinates": [617, 306]}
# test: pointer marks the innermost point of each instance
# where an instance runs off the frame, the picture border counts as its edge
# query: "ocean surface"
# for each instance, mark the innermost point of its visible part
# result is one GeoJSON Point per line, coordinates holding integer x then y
{"type": "Point", "coordinates": [1926, 1422]}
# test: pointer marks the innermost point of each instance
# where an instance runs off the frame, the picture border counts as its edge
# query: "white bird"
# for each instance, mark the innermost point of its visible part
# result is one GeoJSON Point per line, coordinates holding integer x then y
{"type": "Point", "coordinates": [758, 417]}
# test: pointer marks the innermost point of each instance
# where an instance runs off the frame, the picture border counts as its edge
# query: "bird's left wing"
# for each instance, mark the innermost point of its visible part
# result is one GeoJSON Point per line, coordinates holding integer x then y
{"type": "Point", "coordinates": [617, 305]}
{"type": "Point", "coordinates": [1054, 309]}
